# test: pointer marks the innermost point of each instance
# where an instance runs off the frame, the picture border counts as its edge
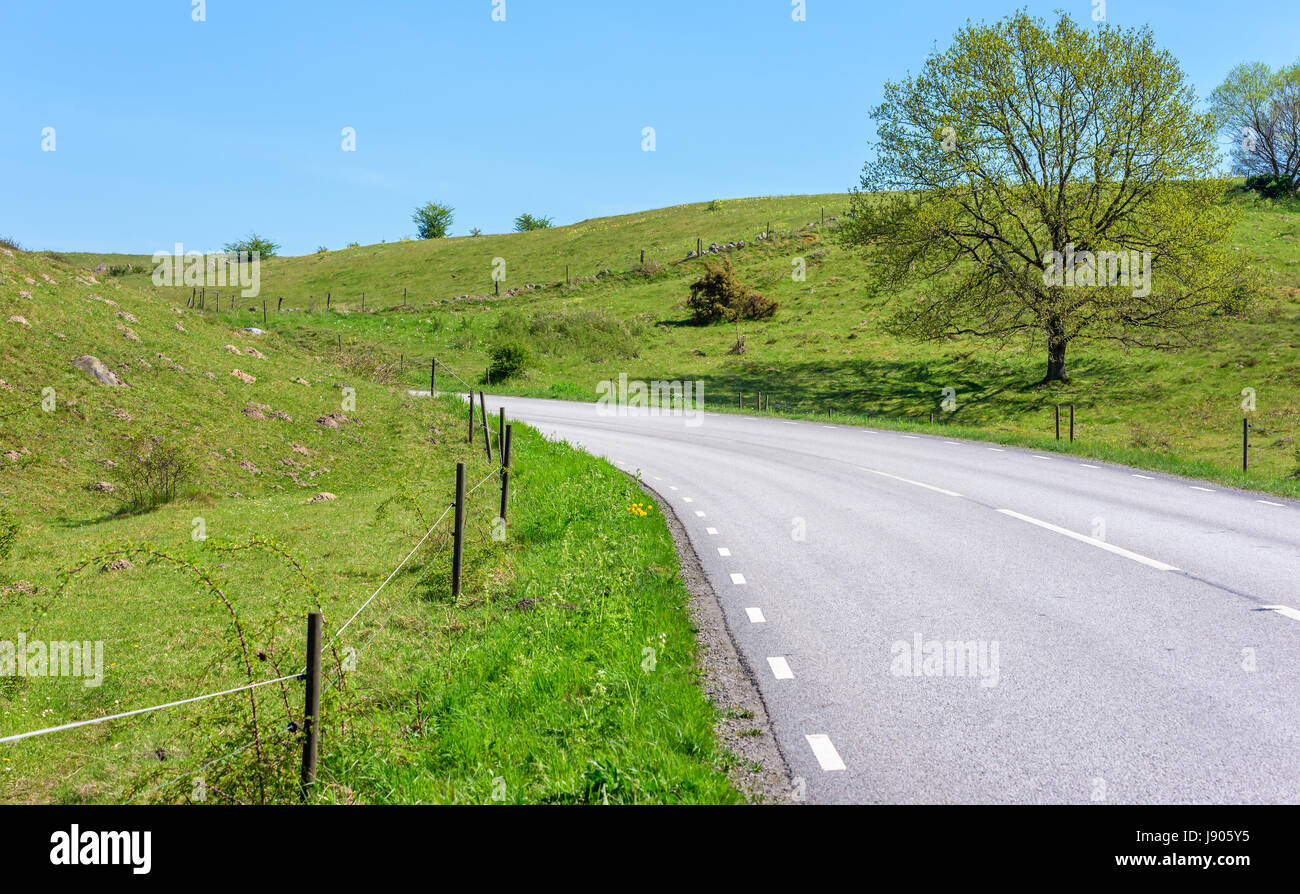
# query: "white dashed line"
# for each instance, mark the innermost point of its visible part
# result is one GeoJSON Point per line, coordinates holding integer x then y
{"type": "Point", "coordinates": [1144, 477]}
{"type": "Point", "coordinates": [1036, 456]}
{"type": "Point", "coordinates": [912, 437]}
{"type": "Point", "coordinates": [657, 478]}
{"type": "Point", "coordinates": [1205, 489]}
{"type": "Point", "coordinates": [995, 449]}
{"type": "Point", "coordinates": [699, 513]}
{"type": "Point", "coordinates": [738, 579]}
{"type": "Point", "coordinates": [1271, 503]}
{"type": "Point", "coordinates": [958, 443]}
{"type": "Point", "coordinates": [951, 493]}
{"type": "Point", "coordinates": [1284, 610]}
{"type": "Point", "coordinates": [824, 750]}
{"type": "Point", "coordinates": [1091, 541]}
{"type": "Point", "coordinates": [670, 487]}
{"type": "Point", "coordinates": [710, 530]}
{"type": "Point", "coordinates": [723, 551]}
{"type": "Point", "coordinates": [688, 499]}
{"type": "Point", "coordinates": [780, 668]}
{"type": "Point", "coordinates": [1086, 466]}
{"type": "Point", "coordinates": [755, 616]}
{"type": "Point", "coordinates": [788, 422]}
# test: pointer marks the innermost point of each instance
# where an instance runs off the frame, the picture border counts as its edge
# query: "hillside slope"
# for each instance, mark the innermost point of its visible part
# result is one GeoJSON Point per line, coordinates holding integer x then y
{"type": "Point", "coordinates": [314, 477]}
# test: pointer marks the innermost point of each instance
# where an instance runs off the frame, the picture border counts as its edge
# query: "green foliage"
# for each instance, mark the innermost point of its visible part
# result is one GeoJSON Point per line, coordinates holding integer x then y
{"type": "Point", "coordinates": [475, 231]}
{"type": "Point", "coordinates": [254, 243]}
{"type": "Point", "coordinates": [149, 471]}
{"type": "Point", "coordinates": [9, 529]}
{"type": "Point", "coordinates": [1257, 109]}
{"type": "Point", "coordinates": [1272, 186]}
{"type": "Point", "coordinates": [719, 295]}
{"type": "Point", "coordinates": [509, 359]}
{"type": "Point", "coordinates": [433, 219]}
{"type": "Point", "coordinates": [526, 222]}
{"type": "Point", "coordinates": [994, 174]}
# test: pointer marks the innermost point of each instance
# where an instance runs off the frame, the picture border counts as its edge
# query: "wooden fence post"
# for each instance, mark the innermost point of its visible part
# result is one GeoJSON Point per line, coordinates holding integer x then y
{"type": "Point", "coordinates": [505, 471]}
{"type": "Point", "coordinates": [1058, 422]}
{"type": "Point", "coordinates": [1071, 423]}
{"type": "Point", "coordinates": [458, 546]}
{"type": "Point", "coordinates": [311, 704]}
{"type": "Point", "coordinates": [433, 377]}
{"type": "Point", "coordinates": [487, 432]}
{"type": "Point", "coordinates": [1245, 444]}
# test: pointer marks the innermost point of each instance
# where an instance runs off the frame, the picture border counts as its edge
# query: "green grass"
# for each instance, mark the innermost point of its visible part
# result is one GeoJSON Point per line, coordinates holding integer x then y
{"type": "Point", "coordinates": [825, 351]}
{"type": "Point", "coordinates": [439, 698]}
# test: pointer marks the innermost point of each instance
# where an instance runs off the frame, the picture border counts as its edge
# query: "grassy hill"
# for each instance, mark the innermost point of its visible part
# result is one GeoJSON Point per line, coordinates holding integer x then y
{"type": "Point", "coordinates": [530, 688]}
{"type": "Point", "coordinates": [825, 350]}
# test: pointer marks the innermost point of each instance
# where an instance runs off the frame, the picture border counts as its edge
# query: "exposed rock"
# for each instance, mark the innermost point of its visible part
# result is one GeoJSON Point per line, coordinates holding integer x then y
{"type": "Point", "coordinates": [243, 376]}
{"type": "Point", "coordinates": [322, 497]}
{"type": "Point", "coordinates": [249, 467]}
{"type": "Point", "coordinates": [302, 381]}
{"type": "Point", "coordinates": [333, 420]}
{"type": "Point", "coordinates": [231, 349]}
{"type": "Point", "coordinates": [121, 415]}
{"type": "Point", "coordinates": [119, 565]}
{"type": "Point", "coordinates": [298, 448]}
{"type": "Point", "coordinates": [254, 413]}
{"type": "Point", "coordinates": [21, 321]}
{"type": "Point", "coordinates": [253, 330]}
{"type": "Point", "coordinates": [94, 367]}
{"type": "Point", "coordinates": [254, 352]}
{"type": "Point", "coordinates": [128, 316]}
{"type": "Point", "coordinates": [102, 487]}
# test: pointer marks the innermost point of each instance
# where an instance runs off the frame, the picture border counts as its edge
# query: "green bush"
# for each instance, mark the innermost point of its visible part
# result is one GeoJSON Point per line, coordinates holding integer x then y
{"type": "Point", "coordinates": [1272, 186]}
{"type": "Point", "coordinates": [526, 221]}
{"type": "Point", "coordinates": [150, 472]}
{"type": "Point", "coordinates": [718, 295]}
{"type": "Point", "coordinates": [433, 219]}
{"type": "Point", "coordinates": [509, 359]}
{"type": "Point", "coordinates": [8, 534]}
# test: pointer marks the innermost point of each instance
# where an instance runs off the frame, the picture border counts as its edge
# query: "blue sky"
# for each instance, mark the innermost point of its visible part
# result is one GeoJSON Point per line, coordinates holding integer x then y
{"type": "Point", "coordinates": [173, 130]}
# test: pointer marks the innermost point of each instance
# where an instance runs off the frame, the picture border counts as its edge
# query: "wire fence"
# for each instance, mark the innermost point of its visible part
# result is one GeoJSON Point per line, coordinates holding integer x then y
{"type": "Point", "coordinates": [499, 470]}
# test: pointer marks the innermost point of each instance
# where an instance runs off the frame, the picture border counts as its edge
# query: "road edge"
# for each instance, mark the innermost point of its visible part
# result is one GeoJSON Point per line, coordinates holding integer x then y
{"type": "Point", "coordinates": [762, 773]}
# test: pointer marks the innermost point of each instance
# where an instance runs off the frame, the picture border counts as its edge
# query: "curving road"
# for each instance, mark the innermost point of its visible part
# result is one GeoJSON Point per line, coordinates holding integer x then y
{"type": "Point", "coordinates": [938, 621]}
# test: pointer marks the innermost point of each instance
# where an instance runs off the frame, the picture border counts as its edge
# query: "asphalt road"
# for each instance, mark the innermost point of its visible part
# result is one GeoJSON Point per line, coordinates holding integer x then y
{"type": "Point", "coordinates": [943, 621]}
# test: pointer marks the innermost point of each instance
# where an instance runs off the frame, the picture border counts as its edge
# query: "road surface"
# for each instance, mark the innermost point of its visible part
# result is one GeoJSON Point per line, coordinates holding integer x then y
{"type": "Point", "coordinates": [940, 621]}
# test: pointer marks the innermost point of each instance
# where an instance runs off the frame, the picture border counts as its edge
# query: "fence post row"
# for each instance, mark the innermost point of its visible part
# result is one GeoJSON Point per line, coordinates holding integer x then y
{"type": "Point", "coordinates": [311, 704]}
{"type": "Point", "coordinates": [1245, 443]}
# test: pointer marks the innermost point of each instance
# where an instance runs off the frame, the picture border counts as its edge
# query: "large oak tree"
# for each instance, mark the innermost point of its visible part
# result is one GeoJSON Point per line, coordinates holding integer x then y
{"type": "Point", "coordinates": [1024, 139]}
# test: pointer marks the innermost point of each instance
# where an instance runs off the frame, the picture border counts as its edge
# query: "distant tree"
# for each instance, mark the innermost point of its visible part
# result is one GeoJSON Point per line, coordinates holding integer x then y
{"type": "Point", "coordinates": [526, 221]}
{"type": "Point", "coordinates": [433, 219]}
{"type": "Point", "coordinates": [1025, 174]}
{"type": "Point", "coordinates": [253, 242]}
{"type": "Point", "coordinates": [1258, 109]}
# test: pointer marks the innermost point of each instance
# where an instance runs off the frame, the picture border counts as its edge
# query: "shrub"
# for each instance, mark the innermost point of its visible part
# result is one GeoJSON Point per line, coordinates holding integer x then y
{"type": "Point", "coordinates": [509, 359]}
{"type": "Point", "coordinates": [8, 534]}
{"type": "Point", "coordinates": [476, 232]}
{"type": "Point", "coordinates": [127, 269]}
{"type": "Point", "coordinates": [718, 295]}
{"type": "Point", "coordinates": [150, 472]}
{"type": "Point", "coordinates": [322, 250]}
{"type": "Point", "coordinates": [526, 221]}
{"type": "Point", "coordinates": [10, 243]}
{"type": "Point", "coordinates": [1272, 186]}
{"type": "Point", "coordinates": [253, 243]}
{"type": "Point", "coordinates": [433, 219]}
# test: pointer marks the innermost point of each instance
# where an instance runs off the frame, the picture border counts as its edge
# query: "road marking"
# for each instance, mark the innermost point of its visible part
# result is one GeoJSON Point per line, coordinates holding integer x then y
{"type": "Point", "coordinates": [756, 616]}
{"type": "Point", "coordinates": [788, 422]}
{"type": "Point", "coordinates": [780, 668]}
{"type": "Point", "coordinates": [657, 478]}
{"type": "Point", "coordinates": [699, 513]}
{"type": "Point", "coordinates": [958, 443]}
{"type": "Point", "coordinates": [951, 493]}
{"type": "Point", "coordinates": [737, 578]}
{"type": "Point", "coordinates": [1086, 466]}
{"type": "Point", "coordinates": [1285, 610]}
{"type": "Point", "coordinates": [688, 499]}
{"type": "Point", "coordinates": [1092, 541]}
{"type": "Point", "coordinates": [710, 530]}
{"type": "Point", "coordinates": [1205, 489]}
{"type": "Point", "coordinates": [912, 437]}
{"type": "Point", "coordinates": [1036, 456]}
{"type": "Point", "coordinates": [670, 487]}
{"type": "Point", "coordinates": [1271, 503]}
{"type": "Point", "coordinates": [723, 551]}
{"type": "Point", "coordinates": [824, 750]}
{"type": "Point", "coordinates": [995, 449]}
{"type": "Point", "coordinates": [1144, 477]}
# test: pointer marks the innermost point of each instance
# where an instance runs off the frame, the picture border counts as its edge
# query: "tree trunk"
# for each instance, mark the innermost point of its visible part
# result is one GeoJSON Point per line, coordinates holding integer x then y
{"type": "Point", "coordinates": [1056, 361]}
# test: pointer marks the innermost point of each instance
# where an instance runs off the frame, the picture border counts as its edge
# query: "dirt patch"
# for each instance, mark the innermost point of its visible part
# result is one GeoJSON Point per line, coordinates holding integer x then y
{"type": "Point", "coordinates": [761, 773]}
